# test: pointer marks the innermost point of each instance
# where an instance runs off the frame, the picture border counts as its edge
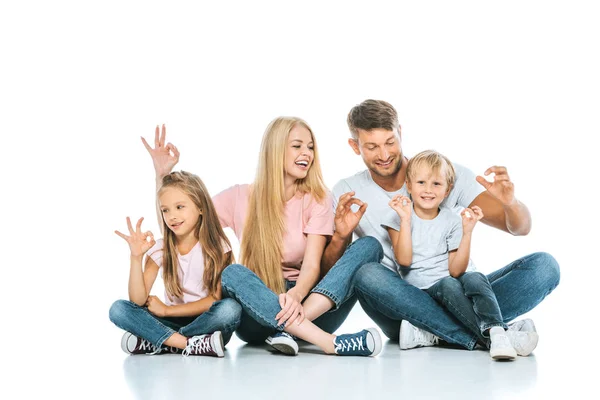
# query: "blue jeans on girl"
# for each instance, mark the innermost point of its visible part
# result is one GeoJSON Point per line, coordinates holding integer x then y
{"type": "Point", "coordinates": [223, 315]}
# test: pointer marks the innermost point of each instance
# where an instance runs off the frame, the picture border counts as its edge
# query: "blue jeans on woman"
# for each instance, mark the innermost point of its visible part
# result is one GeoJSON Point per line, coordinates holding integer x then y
{"type": "Point", "coordinates": [388, 299]}
{"type": "Point", "coordinates": [471, 299]}
{"type": "Point", "coordinates": [260, 305]}
{"type": "Point", "coordinates": [223, 315]}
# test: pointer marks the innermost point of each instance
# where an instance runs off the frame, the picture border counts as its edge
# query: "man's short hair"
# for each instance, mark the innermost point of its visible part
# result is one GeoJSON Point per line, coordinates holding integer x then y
{"type": "Point", "coordinates": [372, 114]}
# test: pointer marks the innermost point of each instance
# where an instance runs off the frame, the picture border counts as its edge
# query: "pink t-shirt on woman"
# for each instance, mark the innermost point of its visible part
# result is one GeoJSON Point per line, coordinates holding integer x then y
{"type": "Point", "coordinates": [303, 216]}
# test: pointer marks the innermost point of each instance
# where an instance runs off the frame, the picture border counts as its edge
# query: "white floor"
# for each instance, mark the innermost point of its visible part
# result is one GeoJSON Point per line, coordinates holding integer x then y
{"type": "Point", "coordinates": [97, 368]}
{"type": "Point", "coordinates": [514, 85]}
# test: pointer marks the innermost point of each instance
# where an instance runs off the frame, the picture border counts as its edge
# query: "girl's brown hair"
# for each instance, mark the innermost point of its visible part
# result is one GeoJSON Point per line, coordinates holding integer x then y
{"type": "Point", "coordinates": [215, 245]}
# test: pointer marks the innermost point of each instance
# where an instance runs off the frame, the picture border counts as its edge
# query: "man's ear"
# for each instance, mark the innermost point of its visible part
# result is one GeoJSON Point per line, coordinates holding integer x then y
{"type": "Point", "coordinates": [354, 144]}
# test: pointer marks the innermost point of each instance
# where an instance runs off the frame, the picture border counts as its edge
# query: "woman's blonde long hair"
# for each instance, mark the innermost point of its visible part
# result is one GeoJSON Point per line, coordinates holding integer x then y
{"type": "Point", "coordinates": [208, 231]}
{"type": "Point", "coordinates": [261, 248]}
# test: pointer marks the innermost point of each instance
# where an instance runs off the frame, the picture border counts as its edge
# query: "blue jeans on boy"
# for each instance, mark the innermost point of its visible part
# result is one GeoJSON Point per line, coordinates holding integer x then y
{"type": "Point", "coordinates": [223, 315]}
{"type": "Point", "coordinates": [471, 299]}
{"type": "Point", "coordinates": [387, 299]}
{"type": "Point", "coordinates": [260, 305]}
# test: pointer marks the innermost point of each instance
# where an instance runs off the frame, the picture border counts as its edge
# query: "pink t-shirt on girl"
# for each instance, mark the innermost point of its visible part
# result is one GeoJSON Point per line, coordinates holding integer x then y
{"type": "Point", "coordinates": [303, 216]}
{"type": "Point", "coordinates": [190, 272]}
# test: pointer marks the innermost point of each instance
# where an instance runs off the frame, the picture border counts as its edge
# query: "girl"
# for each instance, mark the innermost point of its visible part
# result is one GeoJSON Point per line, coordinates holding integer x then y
{"type": "Point", "coordinates": [283, 221]}
{"type": "Point", "coordinates": [432, 246]}
{"type": "Point", "coordinates": [192, 255]}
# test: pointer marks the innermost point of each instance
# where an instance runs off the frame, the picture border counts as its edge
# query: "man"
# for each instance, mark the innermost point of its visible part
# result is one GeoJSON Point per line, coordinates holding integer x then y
{"type": "Point", "coordinates": [397, 307]}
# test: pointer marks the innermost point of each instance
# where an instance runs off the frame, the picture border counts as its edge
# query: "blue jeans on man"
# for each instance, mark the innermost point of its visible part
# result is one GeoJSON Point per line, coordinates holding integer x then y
{"type": "Point", "coordinates": [387, 299]}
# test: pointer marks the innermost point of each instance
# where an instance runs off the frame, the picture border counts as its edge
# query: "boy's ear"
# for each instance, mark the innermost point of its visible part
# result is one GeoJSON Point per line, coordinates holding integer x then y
{"type": "Point", "coordinates": [448, 191]}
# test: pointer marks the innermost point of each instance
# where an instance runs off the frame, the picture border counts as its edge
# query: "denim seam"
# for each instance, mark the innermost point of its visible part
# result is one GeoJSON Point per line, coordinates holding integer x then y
{"type": "Point", "coordinates": [328, 294]}
{"type": "Point", "coordinates": [164, 337]}
{"type": "Point", "coordinates": [470, 345]}
{"type": "Point", "coordinates": [492, 325]}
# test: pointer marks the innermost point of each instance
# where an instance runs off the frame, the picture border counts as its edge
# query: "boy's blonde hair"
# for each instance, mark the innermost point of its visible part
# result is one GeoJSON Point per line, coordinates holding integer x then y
{"type": "Point", "coordinates": [436, 162]}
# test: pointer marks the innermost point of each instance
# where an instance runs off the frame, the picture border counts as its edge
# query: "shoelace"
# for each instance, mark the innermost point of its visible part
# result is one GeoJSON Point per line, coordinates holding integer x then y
{"type": "Point", "coordinates": [343, 345]}
{"type": "Point", "coordinates": [145, 345]}
{"type": "Point", "coordinates": [199, 345]}
{"type": "Point", "coordinates": [424, 337]}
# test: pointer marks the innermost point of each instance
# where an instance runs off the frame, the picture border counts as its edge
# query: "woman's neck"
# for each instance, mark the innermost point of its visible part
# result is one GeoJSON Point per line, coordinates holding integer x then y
{"type": "Point", "coordinates": [289, 187]}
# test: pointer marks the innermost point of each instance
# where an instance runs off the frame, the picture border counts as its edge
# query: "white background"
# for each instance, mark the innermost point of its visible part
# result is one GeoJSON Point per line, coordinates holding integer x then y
{"type": "Point", "coordinates": [513, 83]}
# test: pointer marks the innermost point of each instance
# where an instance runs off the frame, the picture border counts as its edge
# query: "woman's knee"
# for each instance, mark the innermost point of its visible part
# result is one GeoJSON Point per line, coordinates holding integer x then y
{"type": "Point", "coordinates": [234, 274]}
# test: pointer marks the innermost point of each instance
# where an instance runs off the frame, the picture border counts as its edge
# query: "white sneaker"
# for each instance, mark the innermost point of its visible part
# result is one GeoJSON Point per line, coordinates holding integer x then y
{"type": "Point", "coordinates": [411, 337]}
{"type": "Point", "coordinates": [283, 342]}
{"type": "Point", "coordinates": [523, 342]}
{"type": "Point", "coordinates": [523, 325]}
{"type": "Point", "coordinates": [500, 347]}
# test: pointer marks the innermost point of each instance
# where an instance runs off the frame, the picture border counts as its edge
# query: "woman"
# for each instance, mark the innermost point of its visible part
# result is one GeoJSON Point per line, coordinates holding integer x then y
{"type": "Point", "coordinates": [283, 221]}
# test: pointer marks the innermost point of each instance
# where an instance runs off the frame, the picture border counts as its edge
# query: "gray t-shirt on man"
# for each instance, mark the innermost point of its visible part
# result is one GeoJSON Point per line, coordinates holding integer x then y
{"type": "Point", "coordinates": [379, 213]}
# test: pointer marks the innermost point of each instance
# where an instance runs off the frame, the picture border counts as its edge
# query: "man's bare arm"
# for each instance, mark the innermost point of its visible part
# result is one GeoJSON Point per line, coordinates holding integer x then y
{"type": "Point", "coordinates": [500, 207]}
{"type": "Point", "coordinates": [346, 221]}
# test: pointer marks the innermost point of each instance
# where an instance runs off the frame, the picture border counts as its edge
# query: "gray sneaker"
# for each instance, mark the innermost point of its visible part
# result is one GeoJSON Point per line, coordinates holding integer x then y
{"type": "Point", "coordinates": [283, 342]}
{"type": "Point", "coordinates": [523, 342]}
{"type": "Point", "coordinates": [411, 337]}
{"type": "Point", "coordinates": [523, 325]}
